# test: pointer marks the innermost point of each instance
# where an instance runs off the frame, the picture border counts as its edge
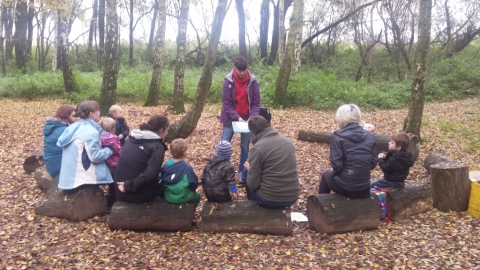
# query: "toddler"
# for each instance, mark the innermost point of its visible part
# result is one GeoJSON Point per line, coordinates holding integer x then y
{"type": "Point", "coordinates": [121, 128]}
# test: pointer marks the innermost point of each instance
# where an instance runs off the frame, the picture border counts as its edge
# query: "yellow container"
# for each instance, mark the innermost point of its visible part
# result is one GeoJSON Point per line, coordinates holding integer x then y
{"type": "Point", "coordinates": [474, 204]}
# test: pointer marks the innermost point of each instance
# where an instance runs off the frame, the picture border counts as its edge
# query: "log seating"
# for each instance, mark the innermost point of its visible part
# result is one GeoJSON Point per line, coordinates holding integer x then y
{"type": "Point", "coordinates": [245, 217]}
{"type": "Point", "coordinates": [333, 213]}
{"type": "Point", "coordinates": [156, 215]}
{"type": "Point", "coordinates": [451, 185]}
{"type": "Point", "coordinates": [79, 204]}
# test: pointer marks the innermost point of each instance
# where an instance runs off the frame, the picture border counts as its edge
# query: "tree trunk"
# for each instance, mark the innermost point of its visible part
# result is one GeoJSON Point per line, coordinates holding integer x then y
{"type": "Point", "coordinates": [275, 32]}
{"type": "Point", "coordinates": [450, 187]}
{"type": "Point", "coordinates": [154, 89]}
{"type": "Point", "coordinates": [241, 28]}
{"type": "Point", "coordinates": [108, 94]}
{"type": "Point", "coordinates": [93, 23]}
{"type": "Point", "coordinates": [281, 96]}
{"type": "Point", "coordinates": [20, 36]}
{"type": "Point", "coordinates": [178, 98]}
{"type": "Point", "coordinates": [55, 44]}
{"type": "Point", "coordinates": [130, 36]}
{"type": "Point", "coordinates": [7, 17]}
{"type": "Point", "coordinates": [281, 31]}
{"type": "Point", "coordinates": [31, 14]}
{"type": "Point", "coordinates": [187, 124]}
{"type": "Point", "coordinates": [298, 49]}
{"type": "Point", "coordinates": [264, 20]}
{"type": "Point", "coordinates": [413, 122]}
{"type": "Point", "coordinates": [157, 215]}
{"type": "Point", "coordinates": [433, 159]}
{"type": "Point", "coordinates": [2, 52]}
{"type": "Point", "coordinates": [380, 139]}
{"type": "Point", "coordinates": [245, 217]}
{"type": "Point", "coordinates": [63, 26]}
{"type": "Point", "coordinates": [101, 33]}
{"type": "Point", "coordinates": [333, 213]}
{"type": "Point", "coordinates": [152, 30]}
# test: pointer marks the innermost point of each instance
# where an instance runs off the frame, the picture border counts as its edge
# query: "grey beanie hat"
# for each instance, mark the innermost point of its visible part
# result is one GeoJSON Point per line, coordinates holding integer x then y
{"type": "Point", "coordinates": [224, 148]}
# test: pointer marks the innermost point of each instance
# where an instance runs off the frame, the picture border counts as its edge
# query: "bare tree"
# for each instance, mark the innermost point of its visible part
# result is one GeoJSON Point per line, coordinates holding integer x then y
{"type": "Point", "coordinates": [281, 96]}
{"type": "Point", "coordinates": [413, 122]}
{"type": "Point", "coordinates": [63, 44]}
{"type": "Point", "coordinates": [93, 27]}
{"type": "Point", "coordinates": [153, 91]}
{"type": "Point", "coordinates": [275, 31]}
{"type": "Point", "coordinates": [20, 36]}
{"type": "Point", "coordinates": [152, 29]}
{"type": "Point", "coordinates": [30, 15]}
{"type": "Point", "coordinates": [7, 18]}
{"type": "Point", "coordinates": [111, 62]}
{"type": "Point", "coordinates": [264, 19]}
{"type": "Point", "coordinates": [101, 33]}
{"type": "Point", "coordinates": [241, 28]}
{"type": "Point", "coordinates": [2, 53]}
{"type": "Point", "coordinates": [187, 124]}
{"type": "Point", "coordinates": [281, 31]}
{"type": "Point", "coordinates": [178, 97]}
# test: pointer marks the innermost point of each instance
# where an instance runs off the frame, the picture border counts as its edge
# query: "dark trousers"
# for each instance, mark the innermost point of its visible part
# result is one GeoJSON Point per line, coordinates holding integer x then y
{"type": "Point", "coordinates": [328, 184]}
{"type": "Point", "coordinates": [253, 196]}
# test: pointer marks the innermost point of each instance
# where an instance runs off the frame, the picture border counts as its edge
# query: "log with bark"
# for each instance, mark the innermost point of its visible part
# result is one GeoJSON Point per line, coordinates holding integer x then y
{"type": "Point", "coordinates": [333, 213]}
{"type": "Point", "coordinates": [31, 163]}
{"type": "Point", "coordinates": [157, 215]}
{"type": "Point", "coordinates": [380, 139]}
{"type": "Point", "coordinates": [245, 217]}
{"type": "Point", "coordinates": [450, 186]}
{"type": "Point", "coordinates": [436, 159]}
{"type": "Point", "coordinates": [413, 199]}
{"type": "Point", "coordinates": [43, 178]}
{"type": "Point", "coordinates": [79, 204]}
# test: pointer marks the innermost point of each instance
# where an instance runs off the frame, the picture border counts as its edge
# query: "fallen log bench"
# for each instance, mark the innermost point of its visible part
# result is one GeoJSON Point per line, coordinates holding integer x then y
{"type": "Point", "coordinates": [157, 215]}
{"type": "Point", "coordinates": [333, 213]}
{"type": "Point", "coordinates": [380, 139]}
{"type": "Point", "coordinates": [245, 217]}
{"type": "Point", "coordinates": [451, 185]}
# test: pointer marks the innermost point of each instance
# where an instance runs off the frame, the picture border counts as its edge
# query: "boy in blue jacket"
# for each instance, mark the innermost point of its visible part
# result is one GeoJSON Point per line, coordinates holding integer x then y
{"type": "Point", "coordinates": [178, 176]}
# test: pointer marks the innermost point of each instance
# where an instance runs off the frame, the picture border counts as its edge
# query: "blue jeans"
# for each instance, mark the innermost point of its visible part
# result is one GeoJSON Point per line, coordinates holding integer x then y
{"type": "Point", "coordinates": [382, 183]}
{"type": "Point", "coordinates": [227, 135]}
{"type": "Point", "coordinates": [253, 196]}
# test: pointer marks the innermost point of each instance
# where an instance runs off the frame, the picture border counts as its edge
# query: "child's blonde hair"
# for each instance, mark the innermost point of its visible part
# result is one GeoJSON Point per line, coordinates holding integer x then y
{"type": "Point", "coordinates": [178, 147]}
{"type": "Point", "coordinates": [113, 109]}
{"type": "Point", "coordinates": [108, 124]}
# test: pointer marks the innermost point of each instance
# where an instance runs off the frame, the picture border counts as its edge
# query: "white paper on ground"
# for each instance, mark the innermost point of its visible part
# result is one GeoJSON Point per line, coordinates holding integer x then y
{"type": "Point", "coordinates": [297, 216]}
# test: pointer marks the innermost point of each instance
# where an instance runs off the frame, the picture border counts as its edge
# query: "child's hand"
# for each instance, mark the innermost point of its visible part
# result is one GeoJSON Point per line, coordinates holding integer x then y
{"type": "Point", "coordinates": [121, 186]}
{"type": "Point", "coordinates": [235, 196]}
{"type": "Point", "coordinates": [120, 137]}
{"type": "Point", "coordinates": [381, 155]}
{"type": "Point", "coordinates": [246, 165]}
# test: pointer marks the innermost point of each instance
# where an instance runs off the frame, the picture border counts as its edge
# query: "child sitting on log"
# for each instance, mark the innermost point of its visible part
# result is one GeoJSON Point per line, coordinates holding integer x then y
{"type": "Point", "coordinates": [109, 139]}
{"type": "Point", "coordinates": [178, 176]}
{"type": "Point", "coordinates": [218, 178]}
{"type": "Point", "coordinates": [396, 163]}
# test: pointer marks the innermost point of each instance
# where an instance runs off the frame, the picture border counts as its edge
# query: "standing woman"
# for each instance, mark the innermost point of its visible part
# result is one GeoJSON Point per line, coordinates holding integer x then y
{"type": "Point", "coordinates": [353, 154]}
{"type": "Point", "coordinates": [240, 102]}
{"type": "Point", "coordinates": [52, 154]}
{"type": "Point", "coordinates": [83, 158]}
{"type": "Point", "coordinates": [140, 162]}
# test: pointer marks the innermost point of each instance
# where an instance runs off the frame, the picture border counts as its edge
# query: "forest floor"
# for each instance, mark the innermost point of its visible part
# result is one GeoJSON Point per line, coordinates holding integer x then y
{"type": "Point", "coordinates": [431, 240]}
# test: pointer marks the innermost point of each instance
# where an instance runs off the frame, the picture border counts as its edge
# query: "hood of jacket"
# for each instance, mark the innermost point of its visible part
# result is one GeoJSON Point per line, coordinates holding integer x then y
{"type": "Point", "coordinates": [252, 77]}
{"type": "Point", "coordinates": [352, 132]}
{"type": "Point", "coordinates": [174, 173]}
{"type": "Point", "coordinates": [144, 135]}
{"type": "Point", "coordinates": [73, 130]}
{"type": "Point", "coordinates": [52, 124]}
{"type": "Point", "coordinates": [405, 158]}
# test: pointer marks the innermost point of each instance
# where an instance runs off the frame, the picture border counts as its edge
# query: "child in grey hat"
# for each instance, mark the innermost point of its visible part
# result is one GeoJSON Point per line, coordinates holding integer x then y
{"type": "Point", "coordinates": [218, 177]}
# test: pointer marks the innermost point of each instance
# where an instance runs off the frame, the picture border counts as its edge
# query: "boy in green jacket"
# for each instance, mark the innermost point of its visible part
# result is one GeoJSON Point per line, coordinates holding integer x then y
{"type": "Point", "coordinates": [178, 176]}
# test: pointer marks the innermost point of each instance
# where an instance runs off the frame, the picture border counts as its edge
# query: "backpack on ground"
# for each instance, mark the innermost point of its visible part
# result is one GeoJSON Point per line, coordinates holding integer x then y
{"type": "Point", "coordinates": [381, 198]}
{"type": "Point", "coordinates": [265, 112]}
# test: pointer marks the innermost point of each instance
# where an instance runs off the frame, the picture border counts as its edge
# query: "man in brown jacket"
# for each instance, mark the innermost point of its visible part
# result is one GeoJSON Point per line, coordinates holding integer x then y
{"type": "Point", "coordinates": [272, 179]}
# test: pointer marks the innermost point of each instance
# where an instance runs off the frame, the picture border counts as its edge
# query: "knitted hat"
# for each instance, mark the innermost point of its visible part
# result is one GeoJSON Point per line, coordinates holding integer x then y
{"type": "Point", "coordinates": [224, 148]}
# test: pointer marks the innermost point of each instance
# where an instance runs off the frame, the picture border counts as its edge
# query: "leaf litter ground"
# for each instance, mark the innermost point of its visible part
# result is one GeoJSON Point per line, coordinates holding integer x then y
{"type": "Point", "coordinates": [431, 240]}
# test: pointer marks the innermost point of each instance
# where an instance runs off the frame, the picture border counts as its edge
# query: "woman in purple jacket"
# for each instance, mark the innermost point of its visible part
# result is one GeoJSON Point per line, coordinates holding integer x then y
{"type": "Point", "coordinates": [241, 101]}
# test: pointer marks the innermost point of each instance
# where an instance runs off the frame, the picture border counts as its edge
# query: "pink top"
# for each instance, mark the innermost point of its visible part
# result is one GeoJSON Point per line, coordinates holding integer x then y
{"type": "Point", "coordinates": [111, 140]}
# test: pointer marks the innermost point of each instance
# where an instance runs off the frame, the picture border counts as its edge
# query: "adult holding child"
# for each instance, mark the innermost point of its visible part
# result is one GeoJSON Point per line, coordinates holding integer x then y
{"type": "Point", "coordinates": [240, 102]}
{"type": "Point", "coordinates": [83, 158]}
{"type": "Point", "coordinates": [140, 162]}
{"type": "Point", "coordinates": [353, 154]}
{"type": "Point", "coordinates": [52, 154]}
{"type": "Point", "coordinates": [272, 179]}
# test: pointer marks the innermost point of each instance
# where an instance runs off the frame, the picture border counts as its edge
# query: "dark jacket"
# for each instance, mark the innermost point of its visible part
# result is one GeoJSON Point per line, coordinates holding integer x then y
{"type": "Point", "coordinates": [138, 167]}
{"type": "Point", "coordinates": [216, 176]}
{"type": "Point", "coordinates": [353, 154]}
{"type": "Point", "coordinates": [228, 112]}
{"type": "Point", "coordinates": [396, 165]}
{"type": "Point", "coordinates": [121, 127]}
{"type": "Point", "coordinates": [273, 167]}
{"type": "Point", "coordinates": [52, 153]}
